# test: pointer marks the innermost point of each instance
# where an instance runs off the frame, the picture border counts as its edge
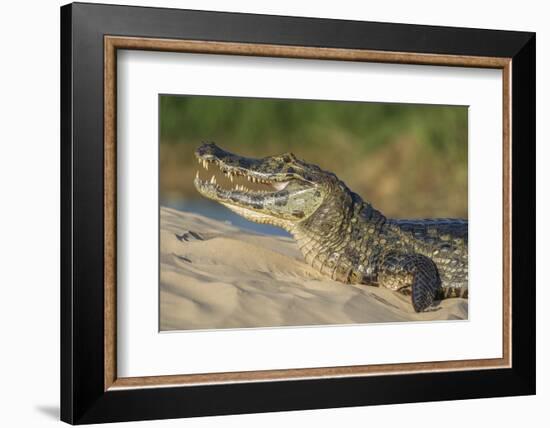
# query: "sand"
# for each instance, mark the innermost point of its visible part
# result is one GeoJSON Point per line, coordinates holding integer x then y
{"type": "Point", "coordinates": [214, 275]}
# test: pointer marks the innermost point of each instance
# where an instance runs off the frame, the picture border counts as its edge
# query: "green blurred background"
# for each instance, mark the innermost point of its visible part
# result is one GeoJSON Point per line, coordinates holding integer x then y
{"type": "Point", "coordinates": [407, 160]}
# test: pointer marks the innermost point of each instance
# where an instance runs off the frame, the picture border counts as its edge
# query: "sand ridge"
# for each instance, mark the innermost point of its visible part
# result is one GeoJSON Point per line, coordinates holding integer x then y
{"type": "Point", "coordinates": [214, 275]}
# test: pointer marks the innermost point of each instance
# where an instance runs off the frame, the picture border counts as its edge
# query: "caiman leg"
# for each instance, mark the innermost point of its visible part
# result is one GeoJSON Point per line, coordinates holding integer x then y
{"type": "Point", "coordinates": [411, 273]}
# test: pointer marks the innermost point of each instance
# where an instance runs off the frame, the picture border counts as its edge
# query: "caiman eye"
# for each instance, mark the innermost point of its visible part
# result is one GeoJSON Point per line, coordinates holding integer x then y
{"type": "Point", "coordinates": [289, 157]}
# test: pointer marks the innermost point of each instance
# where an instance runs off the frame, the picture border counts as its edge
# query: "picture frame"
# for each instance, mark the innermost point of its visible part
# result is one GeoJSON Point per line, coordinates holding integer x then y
{"type": "Point", "coordinates": [91, 390]}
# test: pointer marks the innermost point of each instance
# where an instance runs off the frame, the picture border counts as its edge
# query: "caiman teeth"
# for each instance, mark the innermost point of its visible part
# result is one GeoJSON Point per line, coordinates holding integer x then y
{"type": "Point", "coordinates": [232, 174]}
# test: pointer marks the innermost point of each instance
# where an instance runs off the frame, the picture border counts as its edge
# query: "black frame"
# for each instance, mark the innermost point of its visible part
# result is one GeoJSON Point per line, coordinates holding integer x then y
{"type": "Point", "coordinates": [83, 399]}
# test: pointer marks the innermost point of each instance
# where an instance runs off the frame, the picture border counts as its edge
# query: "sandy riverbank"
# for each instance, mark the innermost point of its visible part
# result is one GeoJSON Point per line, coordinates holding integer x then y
{"type": "Point", "coordinates": [215, 275]}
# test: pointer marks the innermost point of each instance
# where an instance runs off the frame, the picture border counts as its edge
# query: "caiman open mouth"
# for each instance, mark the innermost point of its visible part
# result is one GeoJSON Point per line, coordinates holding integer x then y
{"type": "Point", "coordinates": [239, 180]}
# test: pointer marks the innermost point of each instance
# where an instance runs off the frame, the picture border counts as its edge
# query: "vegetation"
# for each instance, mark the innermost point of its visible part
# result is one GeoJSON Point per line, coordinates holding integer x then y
{"type": "Point", "coordinates": [408, 160]}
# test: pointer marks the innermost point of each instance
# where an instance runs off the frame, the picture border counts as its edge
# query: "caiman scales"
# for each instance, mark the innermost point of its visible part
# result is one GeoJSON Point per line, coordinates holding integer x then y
{"type": "Point", "coordinates": [339, 234]}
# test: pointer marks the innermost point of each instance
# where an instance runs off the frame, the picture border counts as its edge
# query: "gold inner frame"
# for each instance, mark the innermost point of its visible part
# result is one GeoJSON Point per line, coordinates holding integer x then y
{"type": "Point", "coordinates": [113, 43]}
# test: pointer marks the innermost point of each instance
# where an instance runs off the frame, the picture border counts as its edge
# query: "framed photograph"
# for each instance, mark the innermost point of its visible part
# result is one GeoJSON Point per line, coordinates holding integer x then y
{"type": "Point", "coordinates": [265, 213]}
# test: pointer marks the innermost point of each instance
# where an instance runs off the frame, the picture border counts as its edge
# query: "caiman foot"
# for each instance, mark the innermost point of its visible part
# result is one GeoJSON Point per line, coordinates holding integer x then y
{"type": "Point", "coordinates": [412, 274]}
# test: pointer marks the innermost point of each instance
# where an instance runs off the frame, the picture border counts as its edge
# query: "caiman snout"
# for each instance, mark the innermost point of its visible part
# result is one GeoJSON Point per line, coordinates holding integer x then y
{"type": "Point", "coordinates": [209, 149]}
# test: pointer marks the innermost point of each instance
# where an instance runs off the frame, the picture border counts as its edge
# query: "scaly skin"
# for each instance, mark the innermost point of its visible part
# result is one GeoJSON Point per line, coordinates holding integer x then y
{"type": "Point", "coordinates": [338, 233]}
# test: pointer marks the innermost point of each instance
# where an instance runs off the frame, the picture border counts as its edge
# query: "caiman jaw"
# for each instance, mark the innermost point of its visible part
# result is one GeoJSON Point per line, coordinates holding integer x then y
{"type": "Point", "coordinates": [253, 188]}
{"type": "Point", "coordinates": [244, 185]}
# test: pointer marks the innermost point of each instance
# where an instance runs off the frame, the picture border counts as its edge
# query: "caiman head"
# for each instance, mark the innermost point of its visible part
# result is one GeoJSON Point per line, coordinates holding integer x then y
{"type": "Point", "coordinates": [279, 190]}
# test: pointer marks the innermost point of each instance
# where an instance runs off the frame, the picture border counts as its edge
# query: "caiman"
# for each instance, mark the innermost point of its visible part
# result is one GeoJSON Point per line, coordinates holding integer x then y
{"type": "Point", "coordinates": [338, 233]}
